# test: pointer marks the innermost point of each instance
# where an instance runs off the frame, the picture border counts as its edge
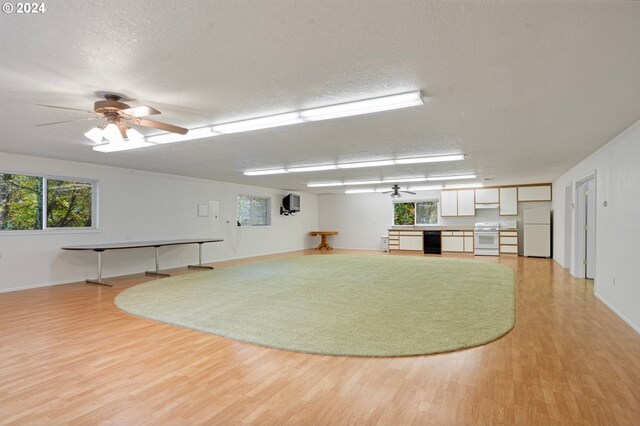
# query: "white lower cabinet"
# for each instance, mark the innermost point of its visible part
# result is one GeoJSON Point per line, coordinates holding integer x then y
{"type": "Point", "coordinates": [410, 242]}
{"type": "Point", "coordinates": [453, 243]}
{"type": "Point", "coordinates": [468, 243]}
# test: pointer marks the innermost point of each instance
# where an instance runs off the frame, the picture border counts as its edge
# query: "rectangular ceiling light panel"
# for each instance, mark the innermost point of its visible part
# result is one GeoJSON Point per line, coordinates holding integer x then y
{"type": "Point", "coordinates": [358, 191]}
{"type": "Point", "coordinates": [312, 168]}
{"type": "Point", "coordinates": [258, 123]}
{"type": "Point", "coordinates": [121, 146]}
{"type": "Point", "coordinates": [385, 103]}
{"type": "Point", "coordinates": [324, 184]}
{"type": "Point", "coordinates": [199, 133]}
{"type": "Point", "coordinates": [456, 177]}
{"type": "Point", "coordinates": [265, 172]}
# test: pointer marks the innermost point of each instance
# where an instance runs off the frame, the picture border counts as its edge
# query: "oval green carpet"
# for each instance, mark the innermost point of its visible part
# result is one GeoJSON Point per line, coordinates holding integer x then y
{"type": "Point", "coordinates": [338, 304]}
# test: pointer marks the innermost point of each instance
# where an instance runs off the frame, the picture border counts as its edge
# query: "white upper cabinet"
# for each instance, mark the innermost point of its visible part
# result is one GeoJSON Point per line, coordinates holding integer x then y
{"type": "Point", "coordinates": [487, 196]}
{"type": "Point", "coordinates": [509, 201]}
{"type": "Point", "coordinates": [448, 203]}
{"type": "Point", "coordinates": [467, 202]}
{"type": "Point", "coordinates": [534, 193]}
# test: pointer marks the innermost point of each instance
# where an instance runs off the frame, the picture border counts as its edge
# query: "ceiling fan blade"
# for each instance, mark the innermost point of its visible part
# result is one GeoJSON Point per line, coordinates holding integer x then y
{"type": "Point", "coordinates": [162, 126]}
{"type": "Point", "coordinates": [67, 121]}
{"type": "Point", "coordinates": [409, 192]}
{"type": "Point", "coordinates": [139, 111]}
{"type": "Point", "coordinates": [70, 109]}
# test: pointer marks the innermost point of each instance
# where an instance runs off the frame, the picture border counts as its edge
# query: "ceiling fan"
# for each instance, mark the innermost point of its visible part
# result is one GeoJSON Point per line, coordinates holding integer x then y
{"type": "Point", "coordinates": [395, 191]}
{"type": "Point", "coordinates": [120, 118]}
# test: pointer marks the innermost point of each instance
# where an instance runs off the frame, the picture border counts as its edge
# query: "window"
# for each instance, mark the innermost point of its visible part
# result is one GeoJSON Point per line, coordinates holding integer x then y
{"type": "Point", "coordinates": [416, 213]}
{"type": "Point", "coordinates": [254, 210]}
{"type": "Point", "coordinates": [39, 203]}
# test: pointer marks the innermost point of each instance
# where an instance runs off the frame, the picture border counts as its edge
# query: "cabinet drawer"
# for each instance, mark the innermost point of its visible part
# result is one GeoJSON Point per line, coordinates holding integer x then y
{"type": "Point", "coordinates": [444, 233]}
{"type": "Point", "coordinates": [457, 233]}
{"type": "Point", "coordinates": [509, 240]}
{"type": "Point", "coordinates": [508, 233]}
{"type": "Point", "coordinates": [468, 233]}
{"type": "Point", "coordinates": [509, 249]}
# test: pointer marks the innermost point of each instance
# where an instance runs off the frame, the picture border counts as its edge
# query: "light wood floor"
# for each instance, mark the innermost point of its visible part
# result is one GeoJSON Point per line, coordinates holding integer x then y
{"type": "Point", "coordinates": [68, 355]}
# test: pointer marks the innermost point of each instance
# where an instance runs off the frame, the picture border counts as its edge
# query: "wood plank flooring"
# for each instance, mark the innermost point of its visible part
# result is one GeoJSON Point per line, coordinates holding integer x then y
{"type": "Point", "coordinates": [69, 356]}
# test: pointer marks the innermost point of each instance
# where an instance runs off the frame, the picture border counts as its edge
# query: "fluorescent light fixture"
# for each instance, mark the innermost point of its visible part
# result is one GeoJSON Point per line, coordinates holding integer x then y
{"type": "Point", "coordinates": [265, 172]}
{"type": "Point", "coordinates": [389, 189]}
{"type": "Point", "coordinates": [466, 185]}
{"type": "Point", "coordinates": [432, 159]}
{"type": "Point", "coordinates": [358, 191]}
{"type": "Point", "coordinates": [365, 164]}
{"type": "Point", "coordinates": [425, 188]}
{"type": "Point", "coordinates": [312, 168]}
{"type": "Point", "coordinates": [199, 133]}
{"type": "Point", "coordinates": [456, 177]}
{"type": "Point", "coordinates": [259, 123]}
{"type": "Point", "coordinates": [416, 179]}
{"type": "Point", "coordinates": [362, 182]}
{"type": "Point", "coordinates": [323, 184]}
{"type": "Point", "coordinates": [121, 146]}
{"type": "Point", "coordinates": [112, 133]}
{"type": "Point", "coordinates": [385, 103]}
{"type": "Point", "coordinates": [95, 134]}
{"type": "Point", "coordinates": [134, 135]}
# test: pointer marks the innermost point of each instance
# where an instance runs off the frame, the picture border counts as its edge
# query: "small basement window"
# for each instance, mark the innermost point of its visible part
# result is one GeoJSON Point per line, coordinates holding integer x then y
{"type": "Point", "coordinates": [253, 210]}
{"type": "Point", "coordinates": [415, 213]}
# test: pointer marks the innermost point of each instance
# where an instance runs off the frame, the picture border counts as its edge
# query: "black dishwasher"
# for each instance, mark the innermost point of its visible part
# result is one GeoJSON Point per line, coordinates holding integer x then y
{"type": "Point", "coordinates": [432, 242]}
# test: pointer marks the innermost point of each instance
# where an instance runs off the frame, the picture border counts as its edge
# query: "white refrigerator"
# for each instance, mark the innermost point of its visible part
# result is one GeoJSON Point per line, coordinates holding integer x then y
{"type": "Point", "coordinates": [537, 232]}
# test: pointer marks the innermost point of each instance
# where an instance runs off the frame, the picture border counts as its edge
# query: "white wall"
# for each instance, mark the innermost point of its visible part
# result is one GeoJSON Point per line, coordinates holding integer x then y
{"type": "Point", "coordinates": [617, 169]}
{"type": "Point", "coordinates": [139, 206]}
{"type": "Point", "coordinates": [361, 219]}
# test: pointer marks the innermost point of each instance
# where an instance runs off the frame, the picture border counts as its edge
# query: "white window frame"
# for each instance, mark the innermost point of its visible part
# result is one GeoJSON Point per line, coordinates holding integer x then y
{"type": "Point", "coordinates": [46, 230]}
{"type": "Point", "coordinates": [264, 197]}
{"type": "Point", "coordinates": [415, 203]}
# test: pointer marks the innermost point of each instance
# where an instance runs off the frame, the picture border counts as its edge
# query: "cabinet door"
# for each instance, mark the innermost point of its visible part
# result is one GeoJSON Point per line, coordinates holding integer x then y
{"type": "Point", "coordinates": [534, 193]}
{"type": "Point", "coordinates": [449, 203]}
{"type": "Point", "coordinates": [508, 201]}
{"type": "Point", "coordinates": [542, 193]}
{"type": "Point", "coordinates": [410, 242]}
{"type": "Point", "coordinates": [487, 196]}
{"type": "Point", "coordinates": [453, 244]}
{"type": "Point", "coordinates": [468, 244]}
{"type": "Point", "coordinates": [467, 202]}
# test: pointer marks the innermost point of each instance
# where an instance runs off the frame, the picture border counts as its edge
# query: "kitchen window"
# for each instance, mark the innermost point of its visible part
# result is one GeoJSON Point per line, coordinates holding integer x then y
{"type": "Point", "coordinates": [415, 213]}
{"type": "Point", "coordinates": [38, 203]}
{"type": "Point", "coordinates": [253, 210]}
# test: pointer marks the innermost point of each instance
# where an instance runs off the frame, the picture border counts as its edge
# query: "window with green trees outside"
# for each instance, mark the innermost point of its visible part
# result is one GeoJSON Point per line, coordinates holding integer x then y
{"type": "Point", "coordinates": [38, 203]}
{"type": "Point", "coordinates": [416, 213]}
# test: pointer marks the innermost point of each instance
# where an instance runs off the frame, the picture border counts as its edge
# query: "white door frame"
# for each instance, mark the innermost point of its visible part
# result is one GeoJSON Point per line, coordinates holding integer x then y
{"type": "Point", "coordinates": [578, 269]}
{"type": "Point", "coordinates": [568, 225]}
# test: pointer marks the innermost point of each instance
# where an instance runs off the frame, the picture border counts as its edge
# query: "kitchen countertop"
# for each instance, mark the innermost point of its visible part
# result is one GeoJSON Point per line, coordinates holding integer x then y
{"type": "Point", "coordinates": [432, 228]}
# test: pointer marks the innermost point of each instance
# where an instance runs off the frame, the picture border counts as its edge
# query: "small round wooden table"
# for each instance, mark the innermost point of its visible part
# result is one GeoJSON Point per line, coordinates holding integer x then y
{"type": "Point", "coordinates": [323, 234]}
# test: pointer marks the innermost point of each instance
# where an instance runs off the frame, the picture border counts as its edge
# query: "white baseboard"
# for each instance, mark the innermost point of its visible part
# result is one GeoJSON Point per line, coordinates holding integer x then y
{"type": "Point", "coordinates": [29, 287]}
{"type": "Point", "coordinates": [618, 313]}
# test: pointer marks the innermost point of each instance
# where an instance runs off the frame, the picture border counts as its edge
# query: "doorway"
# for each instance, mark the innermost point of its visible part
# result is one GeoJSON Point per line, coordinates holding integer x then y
{"type": "Point", "coordinates": [585, 254]}
{"type": "Point", "coordinates": [568, 224]}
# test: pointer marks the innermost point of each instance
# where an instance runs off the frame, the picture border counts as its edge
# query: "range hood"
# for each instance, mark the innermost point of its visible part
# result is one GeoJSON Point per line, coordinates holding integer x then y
{"type": "Point", "coordinates": [487, 206]}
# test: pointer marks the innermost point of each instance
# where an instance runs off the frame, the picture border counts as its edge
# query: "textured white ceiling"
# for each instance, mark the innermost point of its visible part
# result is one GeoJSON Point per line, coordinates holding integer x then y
{"type": "Point", "coordinates": [525, 89]}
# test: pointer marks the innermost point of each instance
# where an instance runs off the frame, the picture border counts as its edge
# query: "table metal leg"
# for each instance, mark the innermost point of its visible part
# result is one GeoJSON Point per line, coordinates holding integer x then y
{"type": "Point", "coordinates": [157, 271]}
{"type": "Point", "coordinates": [199, 265]}
{"type": "Point", "coordinates": [99, 279]}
